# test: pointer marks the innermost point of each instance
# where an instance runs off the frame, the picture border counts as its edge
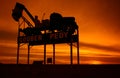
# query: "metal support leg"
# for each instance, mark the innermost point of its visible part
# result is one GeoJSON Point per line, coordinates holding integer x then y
{"type": "Point", "coordinates": [28, 53]}
{"type": "Point", "coordinates": [78, 52]}
{"type": "Point", "coordinates": [45, 50]}
{"type": "Point", "coordinates": [18, 53]}
{"type": "Point", "coordinates": [53, 53]}
{"type": "Point", "coordinates": [71, 59]}
{"type": "Point", "coordinates": [78, 47]}
{"type": "Point", "coordinates": [44, 53]}
{"type": "Point", "coordinates": [18, 47]}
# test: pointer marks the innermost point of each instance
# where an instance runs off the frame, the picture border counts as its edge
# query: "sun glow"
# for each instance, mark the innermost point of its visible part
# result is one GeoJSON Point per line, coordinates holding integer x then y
{"type": "Point", "coordinates": [95, 62]}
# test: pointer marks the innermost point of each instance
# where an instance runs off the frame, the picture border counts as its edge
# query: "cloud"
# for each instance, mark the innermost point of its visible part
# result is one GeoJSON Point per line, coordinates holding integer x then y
{"type": "Point", "coordinates": [100, 47]}
{"type": "Point", "coordinates": [103, 60]}
{"type": "Point", "coordinates": [7, 35]}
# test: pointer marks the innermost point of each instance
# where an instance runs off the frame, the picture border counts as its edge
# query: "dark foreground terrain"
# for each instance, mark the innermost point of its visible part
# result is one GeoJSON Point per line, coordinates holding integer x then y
{"type": "Point", "coordinates": [59, 71]}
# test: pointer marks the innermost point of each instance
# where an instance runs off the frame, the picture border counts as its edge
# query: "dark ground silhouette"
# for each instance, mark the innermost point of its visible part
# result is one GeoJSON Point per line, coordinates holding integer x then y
{"type": "Point", "coordinates": [59, 71]}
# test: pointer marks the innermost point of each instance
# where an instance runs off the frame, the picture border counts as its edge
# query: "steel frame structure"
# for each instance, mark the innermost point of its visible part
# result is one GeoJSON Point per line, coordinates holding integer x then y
{"type": "Point", "coordinates": [45, 44]}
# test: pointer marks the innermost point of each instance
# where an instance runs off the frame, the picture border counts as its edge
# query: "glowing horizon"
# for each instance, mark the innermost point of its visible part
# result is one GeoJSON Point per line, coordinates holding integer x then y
{"type": "Point", "coordinates": [98, 23]}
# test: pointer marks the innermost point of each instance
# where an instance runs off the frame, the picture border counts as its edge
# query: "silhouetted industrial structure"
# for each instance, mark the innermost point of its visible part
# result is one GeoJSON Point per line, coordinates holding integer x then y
{"type": "Point", "coordinates": [56, 30]}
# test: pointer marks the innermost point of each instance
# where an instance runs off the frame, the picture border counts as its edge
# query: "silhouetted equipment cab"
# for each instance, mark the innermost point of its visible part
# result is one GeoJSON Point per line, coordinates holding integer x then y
{"type": "Point", "coordinates": [62, 23]}
{"type": "Point", "coordinates": [56, 22]}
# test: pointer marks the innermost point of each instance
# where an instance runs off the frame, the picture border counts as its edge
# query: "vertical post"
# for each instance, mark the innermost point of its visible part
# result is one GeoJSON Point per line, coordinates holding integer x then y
{"type": "Point", "coordinates": [78, 46]}
{"type": "Point", "coordinates": [44, 53]}
{"type": "Point", "coordinates": [45, 49]}
{"type": "Point", "coordinates": [71, 59]}
{"type": "Point", "coordinates": [28, 53]}
{"type": "Point", "coordinates": [18, 53]}
{"type": "Point", "coordinates": [18, 47]}
{"type": "Point", "coordinates": [53, 53]}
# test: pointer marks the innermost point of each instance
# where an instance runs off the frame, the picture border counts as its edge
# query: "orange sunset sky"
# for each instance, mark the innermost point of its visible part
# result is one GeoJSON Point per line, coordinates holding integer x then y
{"type": "Point", "coordinates": [99, 29]}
